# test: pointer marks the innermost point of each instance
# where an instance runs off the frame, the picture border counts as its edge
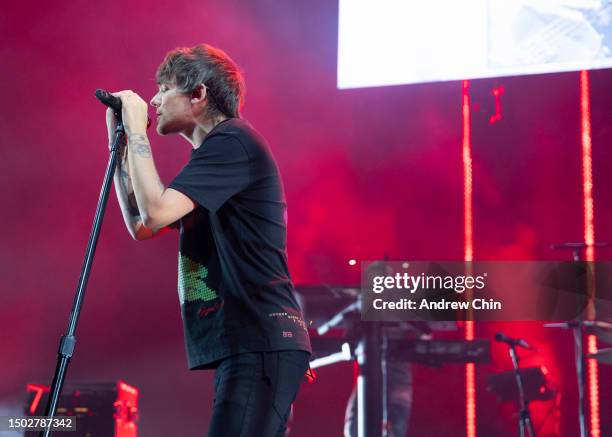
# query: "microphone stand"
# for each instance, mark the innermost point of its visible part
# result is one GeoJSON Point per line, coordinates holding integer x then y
{"type": "Point", "coordinates": [524, 415]}
{"type": "Point", "coordinates": [371, 404]}
{"type": "Point", "coordinates": [68, 340]}
{"type": "Point", "coordinates": [371, 358]}
{"type": "Point", "coordinates": [576, 327]}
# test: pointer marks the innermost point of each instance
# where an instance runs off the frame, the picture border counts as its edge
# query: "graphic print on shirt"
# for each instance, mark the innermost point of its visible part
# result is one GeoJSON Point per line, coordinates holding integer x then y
{"type": "Point", "coordinates": [192, 284]}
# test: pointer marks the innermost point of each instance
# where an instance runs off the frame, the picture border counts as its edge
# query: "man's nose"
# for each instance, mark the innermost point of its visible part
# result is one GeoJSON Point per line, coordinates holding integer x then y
{"type": "Point", "coordinates": [154, 101]}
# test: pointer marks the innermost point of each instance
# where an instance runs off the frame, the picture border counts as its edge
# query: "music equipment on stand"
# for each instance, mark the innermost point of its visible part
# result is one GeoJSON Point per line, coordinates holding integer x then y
{"type": "Point", "coordinates": [342, 336]}
{"type": "Point", "coordinates": [602, 330]}
{"type": "Point", "coordinates": [101, 409]}
{"type": "Point", "coordinates": [434, 353]}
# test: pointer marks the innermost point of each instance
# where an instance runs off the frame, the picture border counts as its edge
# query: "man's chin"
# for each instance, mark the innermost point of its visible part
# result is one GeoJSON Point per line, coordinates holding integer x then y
{"type": "Point", "coordinates": [160, 130]}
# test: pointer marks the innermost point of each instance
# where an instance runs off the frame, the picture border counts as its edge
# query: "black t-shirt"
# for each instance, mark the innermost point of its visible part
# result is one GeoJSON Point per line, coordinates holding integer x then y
{"type": "Point", "coordinates": [234, 286]}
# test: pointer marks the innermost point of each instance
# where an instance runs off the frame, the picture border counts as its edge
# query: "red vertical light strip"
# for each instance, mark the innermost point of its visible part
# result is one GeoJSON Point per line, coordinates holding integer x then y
{"type": "Point", "coordinates": [587, 165]}
{"type": "Point", "coordinates": [589, 239]}
{"type": "Point", "coordinates": [467, 172]}
{"type": "Point", "coordinates": [470, 371]}
{"type": "Point", "coordinates": [593, 384]}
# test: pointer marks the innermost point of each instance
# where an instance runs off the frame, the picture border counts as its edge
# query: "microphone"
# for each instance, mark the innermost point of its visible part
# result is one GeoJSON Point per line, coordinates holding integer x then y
{"type": "Point", "coordinates": [500, 336]}
{"type": "Point", "coordinates": [114, 103]}
{"type": "Point", "coordinates": [109, 100]}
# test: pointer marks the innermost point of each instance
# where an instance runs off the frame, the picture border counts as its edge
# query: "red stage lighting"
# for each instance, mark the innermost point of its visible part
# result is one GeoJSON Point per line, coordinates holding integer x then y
{"type": "Point", "coordinates": [470, 371]}
{"type": "Point", "coordinates": [589, 239]}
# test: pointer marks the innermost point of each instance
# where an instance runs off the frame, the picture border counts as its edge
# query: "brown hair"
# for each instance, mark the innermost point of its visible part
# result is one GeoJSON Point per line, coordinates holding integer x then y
{"type": "Point", "coordinates": [204, 64]}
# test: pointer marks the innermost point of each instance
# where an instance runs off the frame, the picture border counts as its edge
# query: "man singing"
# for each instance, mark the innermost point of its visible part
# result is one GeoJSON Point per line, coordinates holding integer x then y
{"type": "Point", "coordinates": [239, 312]}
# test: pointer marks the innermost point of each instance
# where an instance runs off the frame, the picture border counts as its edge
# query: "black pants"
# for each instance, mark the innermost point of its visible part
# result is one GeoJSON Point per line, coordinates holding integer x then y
{"type": "Point", "coordinates": [254, 392]}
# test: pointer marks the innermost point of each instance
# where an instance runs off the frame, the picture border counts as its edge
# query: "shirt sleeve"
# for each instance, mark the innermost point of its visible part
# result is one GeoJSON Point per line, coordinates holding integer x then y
{"type": "Point", "coordinates": [218, 170]}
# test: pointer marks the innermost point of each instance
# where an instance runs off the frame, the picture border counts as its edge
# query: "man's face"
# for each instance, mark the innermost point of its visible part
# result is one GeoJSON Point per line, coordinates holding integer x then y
{"type": "Point", "coordinates": [173, 109]}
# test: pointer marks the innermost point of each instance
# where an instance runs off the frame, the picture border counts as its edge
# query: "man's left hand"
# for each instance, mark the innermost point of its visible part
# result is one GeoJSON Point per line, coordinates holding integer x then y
{"type": "Point", "coordinates": [133, 112]}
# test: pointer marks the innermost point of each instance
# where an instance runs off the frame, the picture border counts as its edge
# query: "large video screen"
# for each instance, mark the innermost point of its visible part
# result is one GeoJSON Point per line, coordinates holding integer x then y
{"type": "Point", "coordinates": [391, 42]}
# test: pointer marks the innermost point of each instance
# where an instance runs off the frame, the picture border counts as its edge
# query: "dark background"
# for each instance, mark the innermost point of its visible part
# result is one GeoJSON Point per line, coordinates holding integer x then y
{"type": "Point", "coordinates": [368, 173]}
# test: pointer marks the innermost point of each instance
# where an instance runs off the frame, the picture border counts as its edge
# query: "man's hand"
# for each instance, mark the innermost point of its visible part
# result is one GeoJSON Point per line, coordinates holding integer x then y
{"type": "Point", "coordinates": [133, 112]}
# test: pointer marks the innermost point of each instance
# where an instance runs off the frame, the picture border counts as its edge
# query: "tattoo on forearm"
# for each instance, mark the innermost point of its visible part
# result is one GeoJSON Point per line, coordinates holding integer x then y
{"type": "Point", "coordinates": [142, 149]}
{"type": "Point", "coordinates": [139, 144]}
{"type": "Point", "coordinates": [134, 138]}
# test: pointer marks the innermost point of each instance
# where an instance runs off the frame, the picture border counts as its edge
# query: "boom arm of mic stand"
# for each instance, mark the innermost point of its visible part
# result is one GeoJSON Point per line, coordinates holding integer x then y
{"type": "Point", "coordinates": [68, 340]}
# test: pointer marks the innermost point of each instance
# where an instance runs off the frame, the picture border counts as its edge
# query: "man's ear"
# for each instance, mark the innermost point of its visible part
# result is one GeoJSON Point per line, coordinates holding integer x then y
{"type": "Point", "coordinates": [198, 94]}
